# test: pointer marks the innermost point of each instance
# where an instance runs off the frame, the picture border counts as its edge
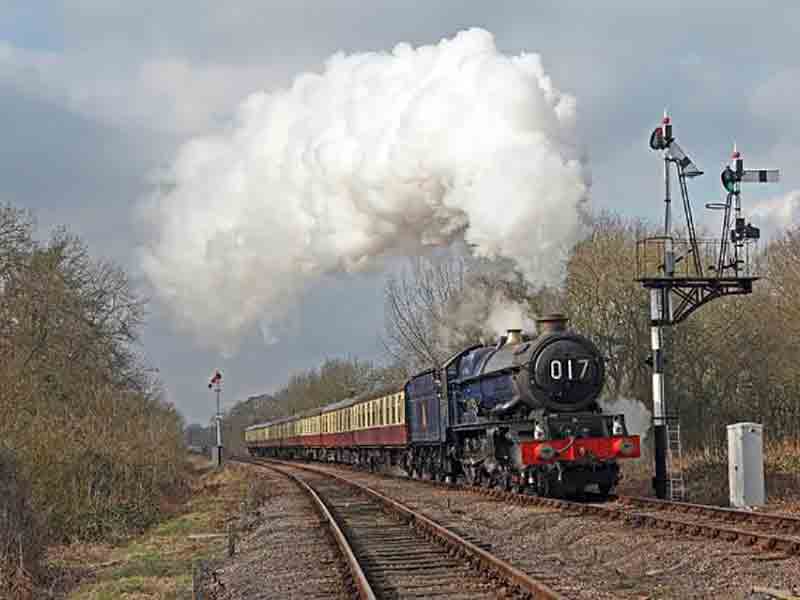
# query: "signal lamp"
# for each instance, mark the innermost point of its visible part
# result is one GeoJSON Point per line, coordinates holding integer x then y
{"type": "Point", "coordinates": [729, 179]}
{"type": "Point", "coordinates": [657, 139]}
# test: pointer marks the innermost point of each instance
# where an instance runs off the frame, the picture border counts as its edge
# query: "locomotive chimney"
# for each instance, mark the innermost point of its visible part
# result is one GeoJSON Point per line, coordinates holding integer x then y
{"type": "Point", "coordinates": [514, 337]}
{"type": "Point", "coordinates": [552, 323]}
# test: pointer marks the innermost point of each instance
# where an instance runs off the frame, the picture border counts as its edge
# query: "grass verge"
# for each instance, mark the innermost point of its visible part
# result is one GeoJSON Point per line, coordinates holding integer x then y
{"type": "Point", "coordinates": [159, 563]}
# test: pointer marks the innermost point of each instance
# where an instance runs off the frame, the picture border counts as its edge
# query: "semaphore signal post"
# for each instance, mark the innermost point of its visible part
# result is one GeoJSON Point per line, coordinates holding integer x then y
{"type": "Point", "coordinates": [215, 383]}
{"type": "Point", "coordinates": [682, 274]}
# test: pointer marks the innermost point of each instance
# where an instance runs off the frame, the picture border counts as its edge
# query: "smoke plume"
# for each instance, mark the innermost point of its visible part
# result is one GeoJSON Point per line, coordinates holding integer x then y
{"type": "Point", "coordinates": [382, 153]}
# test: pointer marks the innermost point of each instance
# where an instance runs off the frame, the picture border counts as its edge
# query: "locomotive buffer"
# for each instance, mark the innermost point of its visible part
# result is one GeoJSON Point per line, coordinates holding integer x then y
{"type": "Point", "coordinates": [682, 274]}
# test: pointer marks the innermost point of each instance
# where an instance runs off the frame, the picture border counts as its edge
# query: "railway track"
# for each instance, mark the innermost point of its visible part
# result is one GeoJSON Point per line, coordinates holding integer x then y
{"type": "Point", "coordinates": [771, 531]}
{"type": "Point", "coordinates": [768, 532]}
{"type": "Point", "coordinates": [762, 531]}
{"type": "Point", "coordinates": [393, 551]}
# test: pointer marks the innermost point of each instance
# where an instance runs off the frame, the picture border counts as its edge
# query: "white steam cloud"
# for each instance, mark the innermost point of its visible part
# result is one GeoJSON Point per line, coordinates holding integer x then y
{"type": "Point", "coordinates": [506, 314]}
{"type": "Point", "coordinates": [380, 154]}
{"type": "Point", "coordinates": [637, 418]}
{"type": "Point", "coordinates": [776, 215]}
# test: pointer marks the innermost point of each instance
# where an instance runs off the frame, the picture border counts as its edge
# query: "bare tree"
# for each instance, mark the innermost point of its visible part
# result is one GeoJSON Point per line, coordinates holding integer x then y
{"type": "Point", "coordinates": [417, 302]}
{"type": "Point", "coordinates": [605, 303]}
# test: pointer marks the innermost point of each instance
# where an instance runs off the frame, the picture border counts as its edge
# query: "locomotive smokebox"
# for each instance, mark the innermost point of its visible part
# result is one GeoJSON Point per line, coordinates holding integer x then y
{"type": "Point", "coordinates": [552, 323]}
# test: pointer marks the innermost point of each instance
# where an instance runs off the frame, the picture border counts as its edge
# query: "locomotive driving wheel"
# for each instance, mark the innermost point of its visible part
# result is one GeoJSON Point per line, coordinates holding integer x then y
{"type": "Point", "coordinates": [472, 474]}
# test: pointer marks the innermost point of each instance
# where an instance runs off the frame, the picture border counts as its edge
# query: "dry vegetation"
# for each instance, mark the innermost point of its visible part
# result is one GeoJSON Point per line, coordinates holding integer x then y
{"type": "Point", "coordinates": [159, 563]}
{"type": "Point", "coordinates": [87, 447]}
{"type": "Point", "coordinates": [706, 472]}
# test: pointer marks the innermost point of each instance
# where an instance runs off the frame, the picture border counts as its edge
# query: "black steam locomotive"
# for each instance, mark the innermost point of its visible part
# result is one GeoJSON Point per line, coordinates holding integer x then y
{"type": "Point", "coordinates": [522, 415]}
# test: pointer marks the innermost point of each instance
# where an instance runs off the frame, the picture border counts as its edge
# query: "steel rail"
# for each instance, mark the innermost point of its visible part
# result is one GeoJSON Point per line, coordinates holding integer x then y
{"type": "Point", "coordinates": [362, 585]}
{"type": "Point", "coordinates": [488, 562]}
{"type": "Point", "coordinates": [780, 521]}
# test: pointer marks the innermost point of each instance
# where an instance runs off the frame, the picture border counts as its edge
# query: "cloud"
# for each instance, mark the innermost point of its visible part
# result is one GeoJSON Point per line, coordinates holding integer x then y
{"type": "Point", "coordinates": [776, 215]}
{"type": "Point", "coordinates": [160, 95]}
{"type": "Point", "coordinates": [775, 98]}
{"type": "Point", "coordinates": [382, 153]}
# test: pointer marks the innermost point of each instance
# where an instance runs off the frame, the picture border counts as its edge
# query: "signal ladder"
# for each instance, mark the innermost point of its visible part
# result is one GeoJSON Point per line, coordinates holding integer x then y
{"type": "Point", "coordinates": [677, 484]}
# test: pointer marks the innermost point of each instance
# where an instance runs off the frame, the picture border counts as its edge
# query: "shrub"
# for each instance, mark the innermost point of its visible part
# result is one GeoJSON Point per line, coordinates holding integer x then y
{"type": "Point", "coordinates": [21, 532]}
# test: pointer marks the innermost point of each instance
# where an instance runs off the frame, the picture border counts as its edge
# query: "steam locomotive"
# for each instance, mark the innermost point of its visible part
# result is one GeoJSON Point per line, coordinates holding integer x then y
{"type": "Point", "coordinates": [521, 414]}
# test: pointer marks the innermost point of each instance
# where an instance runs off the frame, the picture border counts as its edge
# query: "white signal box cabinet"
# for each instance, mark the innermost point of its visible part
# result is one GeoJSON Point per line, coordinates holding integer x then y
{"type": "Point", "coordinates": [746, 464]}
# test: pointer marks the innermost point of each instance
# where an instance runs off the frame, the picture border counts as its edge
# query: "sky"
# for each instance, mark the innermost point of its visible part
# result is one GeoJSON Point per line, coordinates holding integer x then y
{"type": "Point", "coordinates": [98, 99]}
